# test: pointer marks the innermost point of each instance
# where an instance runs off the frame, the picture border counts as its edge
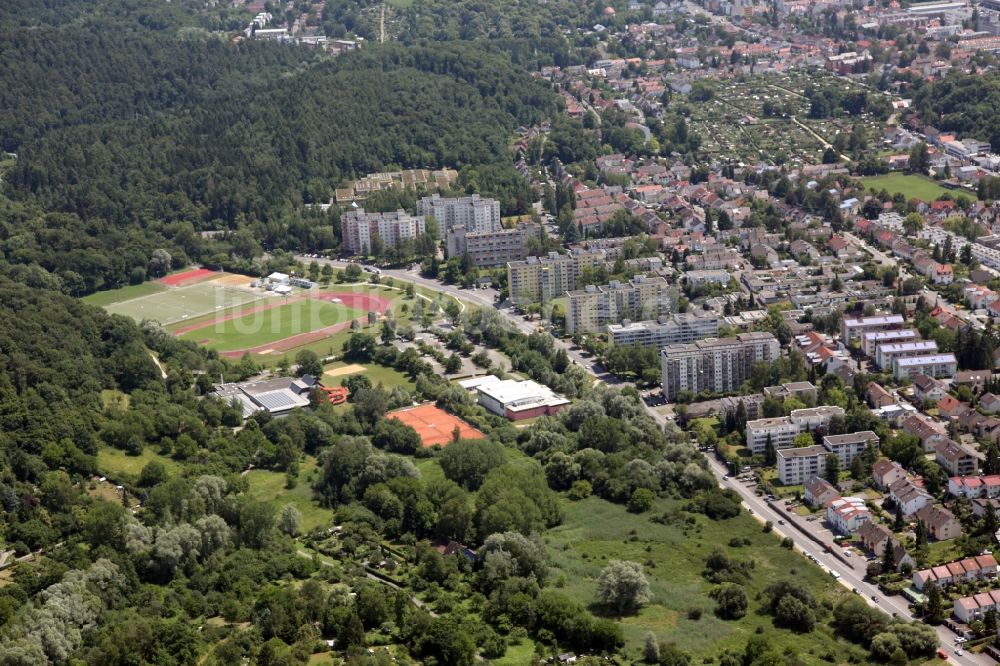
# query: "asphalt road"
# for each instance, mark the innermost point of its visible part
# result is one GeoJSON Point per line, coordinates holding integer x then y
{"type": "Point", "coordinates": [851, 577]}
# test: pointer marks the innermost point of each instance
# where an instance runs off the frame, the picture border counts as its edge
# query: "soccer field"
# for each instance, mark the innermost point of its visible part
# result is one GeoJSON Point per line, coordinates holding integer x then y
{"type": "Point", "coordinates": [178, 304]}
{"type": "Point", "coordinates": [266, 325]}
{"type": "Point", "coordinates": [912, 186]}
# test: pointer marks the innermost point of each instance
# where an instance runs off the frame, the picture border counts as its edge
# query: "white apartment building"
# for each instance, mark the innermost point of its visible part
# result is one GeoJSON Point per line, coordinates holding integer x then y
{"type": "Point", "coordinates": [872, 339]}
{"type": "Point", "coordinates": [797, 466]}
{"type": "Point", "coordinates": [492, 248]}
{"type": "Point", "coordinates": [885, 353]}
{"type": "Point", "coordinates": [477, 215]}
{"type": "Point", "coordinates": [540, 279]}
{"type": "Point", "coordinates": [673, 329]}
{"type": "Point", "coordinates": [848, 446]}
{"type": "Point", "coordinates": [592, 308]}
{"type": "Point", "coordinates": [846, 515]}
{"type": "Point", "coordinates": [933, 365]}
{"type": "Point", "coordinates": [714, 365]}
{"type": "Point", "coordinates": [783, 429]}
{"type": "Point", "coordinates": [852, 329]}
{"type": "Point", "coordinates": [360, 228]}
{"type": "Point", "coordinates": [703, 277]}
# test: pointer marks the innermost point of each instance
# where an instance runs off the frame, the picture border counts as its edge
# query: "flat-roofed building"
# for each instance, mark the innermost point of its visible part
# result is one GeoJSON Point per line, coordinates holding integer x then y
{"type": "Point", "coordinates": [540, 279]}
{"type": "Point", "coordinates": [489, 249]}
{"type": "Point", "coordinates": [780, 431]}
{"type": "Point", "coordinates": [798, 465]}
{"type": "Point", "coordinates": [671, 329]}
{"type": "Point", "coordinates": [476, 214]}
{"type": "Point", "coordinates": [886, 352]}
{"type": "Point", "coordinates": [933, 365]}
{"type": "Point", "coordinates": [849, 446]}
{"type": "Point", "coordinates": [702, 277]}
{"type": "Point", "coordinates": [519, 400]}
{"type": "Point", "coordinates": [851, 330]}
{"type": "Point", "coordinates": [360, 229]}
{"type": "Point", "coordinates": [715, 365]}
{"type": "Point", "coordinates": [872, 339]}
{"type": "Point", "coordinates": [591, 309]}
{"type": "Point", "coordinates": [801, 390]}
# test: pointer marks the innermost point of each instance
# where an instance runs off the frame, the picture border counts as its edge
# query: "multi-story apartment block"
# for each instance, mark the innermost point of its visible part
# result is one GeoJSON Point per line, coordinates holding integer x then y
{"type": "Point", "coordinates": [797, 466]}
{"type": "Point", "coordinates": [872, 339]}
{"type": "Point", "coordinates": [592, 308]}
{"type": "Point", "coordinates": [715, 365]}
{"type": "Point", "coordinates": [475, 214]}
{"type": "Point", "coordinates": [888, 351]}
{"type": "Point", "coordinates": [540, 279]}
{"type": "Point", "coordinates": [360, 228]}
{"type": "Point", "coordinates": [669, 330]}
{"type": "Point", "coordinates": [849, 446]}
{"type": "Point", "coordinates": [852, 329]}
{"type": "Point", "coordinates": [779, 431]}
{"type": "Point", "coordinates": [932, 365]}
{"type": "Point", "coordinates": [782, 430]}
{"type": "Point", "coordinates": [492, 248]}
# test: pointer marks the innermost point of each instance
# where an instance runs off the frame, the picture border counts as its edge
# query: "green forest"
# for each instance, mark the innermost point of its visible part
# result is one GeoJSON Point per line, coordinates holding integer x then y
{"type": "Point", "coordinates": [130, 144]}
{"type": "Point", "coordinates": [964, 104]}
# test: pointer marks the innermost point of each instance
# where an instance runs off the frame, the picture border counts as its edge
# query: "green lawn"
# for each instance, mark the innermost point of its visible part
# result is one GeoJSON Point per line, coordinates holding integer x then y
{"type": "Point", "coordinates": [120, 466]}
{"type": "Point", "coordinates": [268, 486]}
{"type": "Point", "coordinates": [596, 531]}
{"type": "Point", "coordinates": [378, 374]}
{"type": "Point", "coordinates": [262, 327]}
{"type": "Point", "coordinates": [910, 186]}
{"type": "Point", "coordinates": [105, 298]}
{"type": "Point", "coordinates": [517, 655]}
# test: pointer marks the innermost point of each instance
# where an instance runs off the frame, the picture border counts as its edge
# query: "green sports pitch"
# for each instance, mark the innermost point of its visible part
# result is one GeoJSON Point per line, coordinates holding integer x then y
{"type": "Point", "coordinates": [171, 306]}
{"type": "Point", "coordinates": [262, 325]}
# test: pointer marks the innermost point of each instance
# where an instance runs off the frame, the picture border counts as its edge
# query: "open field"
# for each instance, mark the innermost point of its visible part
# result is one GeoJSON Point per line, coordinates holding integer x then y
{"type": "Point", "coordinates": [182, 303]}
{"type": "Point", "coordinates": [596, 531]}
{"type": "Point", "coordinates": [268, 486]}
{"type": "Point", "coordinates": [120, 466]}
{"type": "Point", "coordinates": [378, 374]}
{"type": "Point", "coordinates": [263, 326]}
{"type": "Point", "coordinates": [910, 186]}
{"type": "Point", "coordinates": [111, 296]}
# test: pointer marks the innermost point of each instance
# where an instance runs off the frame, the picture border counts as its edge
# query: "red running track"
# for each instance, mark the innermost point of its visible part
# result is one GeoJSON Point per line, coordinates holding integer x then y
{"type": "Point", "coordinates": [187, 277]}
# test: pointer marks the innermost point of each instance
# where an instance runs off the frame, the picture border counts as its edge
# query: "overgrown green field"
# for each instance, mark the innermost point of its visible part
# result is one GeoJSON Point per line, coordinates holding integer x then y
{"type": "Point", "coordinates": [595, 531]}
{"type": "Point", "coordinates": [268, 486]}
{"type": "Point", "coordinates": [120, 466]}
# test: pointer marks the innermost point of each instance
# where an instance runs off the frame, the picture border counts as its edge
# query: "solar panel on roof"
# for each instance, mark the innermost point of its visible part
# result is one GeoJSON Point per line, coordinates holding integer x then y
{"type": "Point", "coordinates": [276, 400]}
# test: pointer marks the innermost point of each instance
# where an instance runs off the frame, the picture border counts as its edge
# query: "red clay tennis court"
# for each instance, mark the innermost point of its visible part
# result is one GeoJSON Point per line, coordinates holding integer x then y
{"type": "Point", "coordinates": [187, 277]}
{"type": "Point", "coordinates": [434, 425]}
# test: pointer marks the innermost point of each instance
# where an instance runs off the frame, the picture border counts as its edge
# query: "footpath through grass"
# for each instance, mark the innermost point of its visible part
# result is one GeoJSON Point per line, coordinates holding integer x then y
{"type": "Point", "coordinates": [596, 531]}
